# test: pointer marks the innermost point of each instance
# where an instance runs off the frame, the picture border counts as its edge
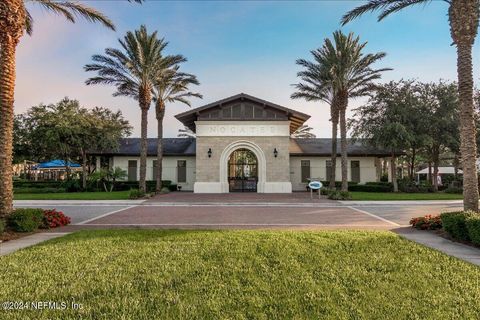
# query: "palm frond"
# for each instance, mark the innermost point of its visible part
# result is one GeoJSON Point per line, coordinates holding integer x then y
{"type": "Point", "coordinates": [385, 8]}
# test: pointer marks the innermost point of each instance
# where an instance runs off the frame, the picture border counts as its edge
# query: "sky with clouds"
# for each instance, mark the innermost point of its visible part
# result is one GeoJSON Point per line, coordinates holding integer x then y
{"type": "Point", "coordinates": [232, 47]}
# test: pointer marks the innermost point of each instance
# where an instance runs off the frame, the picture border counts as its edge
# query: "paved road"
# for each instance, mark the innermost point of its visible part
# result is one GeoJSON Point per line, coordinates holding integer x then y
{"type": "Point", "coordinates": [258, 214]}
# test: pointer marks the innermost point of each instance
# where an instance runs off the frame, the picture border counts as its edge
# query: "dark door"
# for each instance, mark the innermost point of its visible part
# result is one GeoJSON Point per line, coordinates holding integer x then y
{"type": "Point", "coordinates": [242, 171]}
{"type": "Point", "coordinates": [132, 170]}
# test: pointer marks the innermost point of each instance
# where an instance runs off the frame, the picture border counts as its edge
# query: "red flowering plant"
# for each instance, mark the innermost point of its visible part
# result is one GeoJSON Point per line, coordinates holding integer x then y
{"type": "Point", "coordinates": [53, 219]}
{"type": "Point", "coordinates": [427, 222]}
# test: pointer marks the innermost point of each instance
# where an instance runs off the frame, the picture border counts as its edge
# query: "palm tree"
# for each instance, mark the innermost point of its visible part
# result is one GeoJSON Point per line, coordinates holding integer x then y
{"type": "Point", "coordinates": [317, 86]}
{"type": "Point", "coordinates": [348, 72]}
{"type": "Point", "coordinates": [14, 21]}
{"type": "Point", "coordinates": [303, 132]}
{"type": "Point", "coordinates": [463, 18]}
{"type": "Point", "coordinates": [171, 86]}
{"type": "Point", "coordinates": [132, 71]}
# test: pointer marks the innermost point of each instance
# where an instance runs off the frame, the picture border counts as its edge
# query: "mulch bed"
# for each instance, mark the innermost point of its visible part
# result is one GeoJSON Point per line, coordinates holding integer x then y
{"type": "Point", "coordinates": [12, 235]}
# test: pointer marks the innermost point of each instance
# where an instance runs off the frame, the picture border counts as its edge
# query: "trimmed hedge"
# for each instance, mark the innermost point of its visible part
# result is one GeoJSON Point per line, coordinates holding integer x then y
{"type": "Point", "coordinates": [457, 190]}
{"type": "Point", "coordinates": [473, 227]}
{"type": "Point", "coordinates": [454, 224]}
{"type": "Point", "coordinates": [37, 184]}
{"type": "Point", "coordinates": [25, 219]}
{"type": "Point", "coordinates": [338, 184]}
{"type": "Point", "coordinates": [371, 188]}
{"type": "Point", "coordinates": [38, 190]}
{"type": "Point", "coordinates": [151, 185]}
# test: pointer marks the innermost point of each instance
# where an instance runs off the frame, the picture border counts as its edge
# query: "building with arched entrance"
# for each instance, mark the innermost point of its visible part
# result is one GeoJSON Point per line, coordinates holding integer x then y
{"type": "Point", "coordinates": [243, 144]}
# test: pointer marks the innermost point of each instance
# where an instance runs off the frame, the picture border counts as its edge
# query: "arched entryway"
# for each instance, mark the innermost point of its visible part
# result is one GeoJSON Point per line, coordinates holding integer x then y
{"type": "Point", "coordinates": [242, 171]}
{"type": "Point", "coordinates": [257, 154]}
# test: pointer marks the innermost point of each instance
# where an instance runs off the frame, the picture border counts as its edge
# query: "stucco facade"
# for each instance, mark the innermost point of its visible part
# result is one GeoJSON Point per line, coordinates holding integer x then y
{"type": "Point", "coordinates": [244, 144]}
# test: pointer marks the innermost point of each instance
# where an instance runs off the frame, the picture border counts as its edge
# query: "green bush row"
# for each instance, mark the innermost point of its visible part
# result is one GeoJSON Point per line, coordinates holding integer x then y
{"type": "Point", "coordinates": [338, 184]}
{"type": "Point", "coordinates": [462, 225]}
{"type": "Point", "coordinates": [371, 188]}
{"type": "Point", "coordinates": [38, 190]}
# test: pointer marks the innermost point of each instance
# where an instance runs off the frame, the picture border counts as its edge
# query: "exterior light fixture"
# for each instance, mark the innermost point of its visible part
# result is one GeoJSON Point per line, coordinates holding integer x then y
{"type": "Point", "coordinates": [275, 152]}
{"type": "Point", "coordinates": [209, 152]}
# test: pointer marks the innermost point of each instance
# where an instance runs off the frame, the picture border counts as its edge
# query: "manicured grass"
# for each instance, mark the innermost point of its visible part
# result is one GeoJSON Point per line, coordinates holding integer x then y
{"type": "Point", "coordinates": [356, 195]}
{"type": "Point", "coordinates": [151, 274]}
{"type": "Point", "coordinates": [115, 195]}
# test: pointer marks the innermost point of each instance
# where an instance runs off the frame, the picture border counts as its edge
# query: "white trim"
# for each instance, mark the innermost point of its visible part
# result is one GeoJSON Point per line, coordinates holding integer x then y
{"type": "Point", "coordinates": [374, 216]}
{"type": "Point", "coordinates": [102, 216]}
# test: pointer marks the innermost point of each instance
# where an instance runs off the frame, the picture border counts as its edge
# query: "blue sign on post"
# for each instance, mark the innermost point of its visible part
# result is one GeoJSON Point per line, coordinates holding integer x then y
{"type": "Point", "coordinates": [315, 185]}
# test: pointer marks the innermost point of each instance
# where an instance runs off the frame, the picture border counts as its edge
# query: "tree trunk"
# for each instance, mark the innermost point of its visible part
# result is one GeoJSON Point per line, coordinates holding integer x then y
{"type": "Point", "coordinates": [12, 19]}
{"type": "Point", "coordinates": [429, 175]}
{"type": "Point", "coordinates": [435, 170]}
{"type": "Point", "coordinates": [412, 165]}
{"type": "Point", "coordinates": [334, 116]}
{"type": "Point", "coordinates": [160, 113]}
{"type": "Point", "coordinates": [142, 185]}
{"type": "Point", "coordinates": [464, 17]}
{"type": "Point", "coordinates": [393, 172]}
{"type": "Point", "coordinates": [343, 103]}
{"type": "Point", "coordinates": [84, 170]}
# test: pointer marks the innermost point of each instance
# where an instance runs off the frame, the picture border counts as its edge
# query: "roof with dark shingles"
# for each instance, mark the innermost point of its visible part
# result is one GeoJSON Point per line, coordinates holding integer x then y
{"type": "Point", "coordinates": [323, 147]}
{"type": "Point", "coordinates": [187, 146]}
{"type": "Point", "coordinates": [171, 146]}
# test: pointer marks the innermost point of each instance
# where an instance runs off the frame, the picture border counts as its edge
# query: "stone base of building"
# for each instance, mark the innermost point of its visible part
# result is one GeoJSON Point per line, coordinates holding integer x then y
{"type": "Point", "coordinates": [262, 187]}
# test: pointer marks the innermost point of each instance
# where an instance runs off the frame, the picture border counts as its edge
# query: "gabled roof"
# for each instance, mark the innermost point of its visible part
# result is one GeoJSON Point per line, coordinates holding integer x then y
{"type": "Point", "coordinates": [296, 118]}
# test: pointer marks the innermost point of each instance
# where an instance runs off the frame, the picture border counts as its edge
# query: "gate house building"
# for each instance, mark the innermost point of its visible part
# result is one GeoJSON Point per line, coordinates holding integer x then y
{"type": "Point", "coordinates": [243, 144]}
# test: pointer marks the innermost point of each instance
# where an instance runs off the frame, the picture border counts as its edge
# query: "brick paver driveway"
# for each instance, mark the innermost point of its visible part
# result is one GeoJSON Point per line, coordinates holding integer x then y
{"type": "Point", "coordinates": [237, 210]}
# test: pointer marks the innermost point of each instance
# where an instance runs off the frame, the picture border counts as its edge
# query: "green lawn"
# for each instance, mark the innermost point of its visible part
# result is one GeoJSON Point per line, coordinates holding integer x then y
{"type": "Point", "coordinates": [152, 274]}
{"type": "Point", "coordinates": [115, 195]}
{"type": "Point", "coordinates": [357, 195]}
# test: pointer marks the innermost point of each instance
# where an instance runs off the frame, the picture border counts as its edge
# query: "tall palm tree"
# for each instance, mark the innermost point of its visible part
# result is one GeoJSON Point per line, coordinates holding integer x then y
{"type": "Point", "coordinates": [348, 71]}
{"type": "Point", "coordinates": [171, 86]}
{"type": "Point", "coordinates": [464, 19]}
{"type": "Point", "coordinates": [317, 86]}
{"type": "Point", "coordinates": [132, 70]}
{"type": "Point", "coordinates": [14, 21]}
{"type": "Point", "coordinates": [303, 132]}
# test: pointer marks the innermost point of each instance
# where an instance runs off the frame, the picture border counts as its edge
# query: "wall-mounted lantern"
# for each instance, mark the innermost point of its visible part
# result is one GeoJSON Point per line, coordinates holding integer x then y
{"type": "Point", "coordinates": [275, 152]}
{"type": "Point", "coordinates": [209, 153]}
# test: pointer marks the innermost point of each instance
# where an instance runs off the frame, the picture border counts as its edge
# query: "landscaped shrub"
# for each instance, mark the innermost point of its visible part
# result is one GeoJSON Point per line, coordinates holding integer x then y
{"type": "Point", "coordinates": [38, 190]}
{"type": "Point", "coordinates": [339, 195]}
{"type": "Point", "coordinates": [457, 190]}
{"type": "Point", "coordinates": [25, 219]}
{"type": "Point", "coordinates": [37, 184]}
{"type": "Point", "coordinates": [326, 191]}
{"type": "Point", "coordinates": [427, 222]}
{"type": "Point", "coordinates": [151, 185]}
{"type": "Point", "coordinates": [173, 187]}
{"type": "Point", "coordinates": [454, 224]}
{"type": "Point", "coordinates": [409, 186]}
{"type": "Point", "coordinates": [371, 188]}
{"type": "Point", "coordinates": [2, 226]}
{"type": "Point", "coordinates": [165, 190]}
{"type": "Point", "coordinates": [72, 185]}
{"type": "Point", "coordinates": [338, 184]}
{"type": "Point", "coordinates": [473, 228]}
{"type": "Point", "coordinates": [53, 219]}
{"type": "Point", "coordinates": [136, 194]}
